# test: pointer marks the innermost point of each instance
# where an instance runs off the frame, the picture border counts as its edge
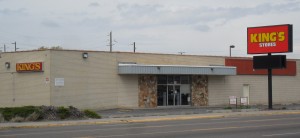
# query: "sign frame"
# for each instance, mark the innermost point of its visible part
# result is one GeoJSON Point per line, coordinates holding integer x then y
{"type": "Point", "coordinates": [268, 47]}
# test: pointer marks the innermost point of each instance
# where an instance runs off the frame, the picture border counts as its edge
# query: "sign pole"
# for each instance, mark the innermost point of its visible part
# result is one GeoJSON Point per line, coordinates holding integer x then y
{"type": "Point", "coordinates": [270, 83]}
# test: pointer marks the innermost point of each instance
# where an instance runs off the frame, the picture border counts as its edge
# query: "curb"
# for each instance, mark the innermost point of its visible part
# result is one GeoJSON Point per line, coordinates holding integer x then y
{"type": "Point", "coordinates": [262, 113]}
{"type": "Point", "coordinates": [175, 118]}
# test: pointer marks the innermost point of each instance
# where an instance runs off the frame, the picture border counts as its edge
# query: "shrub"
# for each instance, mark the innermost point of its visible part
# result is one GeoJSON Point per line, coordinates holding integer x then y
{"type": "Point", "coordinates": [48, 113]}
{"type": "Point", "coordinates": [283, 108]}
{"type": "Point", "coordinates": [17, 119]}
{"type": "Point", "coordinates": [23, 112]}
{"type": "Point", "coordinates": [75, 113]}
{"type": "Point", "coordinates": [33, 117]}
{"type": "Point", "coordinates": [63, 112]}
{"type": "Point", "coordinates": [91, 114]}
{"type": "Point", "coordinates": [245, 107]}
{"type": "Point", "coordinates": [228, 107]}
{"type": "Point", "coordinates": [1, 118]}
{"type": "Point", "coordinates": [35, 113]}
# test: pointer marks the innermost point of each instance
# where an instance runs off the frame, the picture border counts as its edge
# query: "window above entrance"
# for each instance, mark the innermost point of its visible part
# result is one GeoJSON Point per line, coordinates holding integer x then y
{"type": "Point", "coordinates": [172, 79]}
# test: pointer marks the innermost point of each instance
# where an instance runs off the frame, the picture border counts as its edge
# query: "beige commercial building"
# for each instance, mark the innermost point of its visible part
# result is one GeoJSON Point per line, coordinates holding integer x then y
{"type": "Point", "coordinates": [93, 79]}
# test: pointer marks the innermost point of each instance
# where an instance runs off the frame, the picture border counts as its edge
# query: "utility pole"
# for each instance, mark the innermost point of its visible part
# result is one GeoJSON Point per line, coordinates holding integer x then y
{"type": "Point", "coordinates": [4, 48]}
{"type": "Point", "coordinates": [181, 53]}
{"type": "Point", "coordinates": [15, 46]}
{"type": "Point", "coordinates": [110, 41]}
{"type": "Point", "coordinates": [134, 48]}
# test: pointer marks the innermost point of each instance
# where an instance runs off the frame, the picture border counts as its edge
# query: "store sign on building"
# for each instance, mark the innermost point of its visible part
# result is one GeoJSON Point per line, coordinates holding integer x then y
{"type": "Point", "coordinates": [29, 67]}
{"type": "Point", "coordinates": [270, 39]}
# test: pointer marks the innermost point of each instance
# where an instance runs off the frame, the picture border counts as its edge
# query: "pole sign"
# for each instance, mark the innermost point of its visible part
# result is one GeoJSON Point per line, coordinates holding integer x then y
{"type": "Point", "coordinates": [270, 39]}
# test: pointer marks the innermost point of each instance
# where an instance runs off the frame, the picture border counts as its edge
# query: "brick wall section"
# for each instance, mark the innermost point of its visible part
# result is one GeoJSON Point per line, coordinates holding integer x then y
{"type": "Point", "coordinates": [199, 90]}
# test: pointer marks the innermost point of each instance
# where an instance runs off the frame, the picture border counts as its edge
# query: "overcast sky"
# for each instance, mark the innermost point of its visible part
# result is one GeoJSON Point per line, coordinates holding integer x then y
{"type": "Point", "coordinates": [198, 27]}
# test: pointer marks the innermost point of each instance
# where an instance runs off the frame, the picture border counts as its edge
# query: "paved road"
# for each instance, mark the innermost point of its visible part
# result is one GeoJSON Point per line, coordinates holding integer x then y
{"type": "Point", "coordinates": [259, 126]}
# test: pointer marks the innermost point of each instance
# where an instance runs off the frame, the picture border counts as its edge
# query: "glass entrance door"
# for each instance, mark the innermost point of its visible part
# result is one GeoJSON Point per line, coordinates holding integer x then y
{"type": "Point", "coordinates": [162, 95]}
{"type": "Point", "coordinates": [173, 90]}
{"type": "Point", "coordinates": [174, 95]}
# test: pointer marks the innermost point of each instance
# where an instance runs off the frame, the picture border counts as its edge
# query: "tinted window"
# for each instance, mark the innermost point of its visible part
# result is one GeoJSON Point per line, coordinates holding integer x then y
{"type": "Point", "coordinates": [162, 80]}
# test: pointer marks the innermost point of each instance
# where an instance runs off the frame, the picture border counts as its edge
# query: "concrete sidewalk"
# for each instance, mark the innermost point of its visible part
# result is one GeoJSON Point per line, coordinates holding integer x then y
{"type": "Point", "coordinates": [146, 119]}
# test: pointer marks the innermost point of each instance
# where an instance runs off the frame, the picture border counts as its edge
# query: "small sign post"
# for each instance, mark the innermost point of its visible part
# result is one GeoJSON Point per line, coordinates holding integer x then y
{"type": "Point", "coordinates": [233, 101]}
{"type": "Point", "coordinates": [244, 101]}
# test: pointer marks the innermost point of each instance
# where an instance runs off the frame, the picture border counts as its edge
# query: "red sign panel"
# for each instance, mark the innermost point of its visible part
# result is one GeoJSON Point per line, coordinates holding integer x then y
{"type": "Point", "coordinates": [245, 67]}
{"type": "Point", "coordinates": [270, 39]}
{"type": "Point", "coordinates": [29, 67]}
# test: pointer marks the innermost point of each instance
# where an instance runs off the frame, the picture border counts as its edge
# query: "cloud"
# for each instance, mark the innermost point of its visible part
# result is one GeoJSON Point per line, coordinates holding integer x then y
{"type": "Point", "coordinates": [211, 14]}
{"type": "Point", "coordinates": [202, 28]}
{"type": "Point", "coordinates": [6, 11]}
{"type": "Point", "coordinates": [99, 22]}
{"type": "Point", "coordinates": [94, 4]}
{"type": "Point", "coordinates": [150, 15]}
{"type": "Point", "coordinates": [50, 24]}
{"type": "Point", "coordinates": [138, 10]}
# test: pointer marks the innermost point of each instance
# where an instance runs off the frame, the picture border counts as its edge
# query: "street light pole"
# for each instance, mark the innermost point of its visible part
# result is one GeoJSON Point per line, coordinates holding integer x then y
{"type": "Point", "coordinates": [231, 46]}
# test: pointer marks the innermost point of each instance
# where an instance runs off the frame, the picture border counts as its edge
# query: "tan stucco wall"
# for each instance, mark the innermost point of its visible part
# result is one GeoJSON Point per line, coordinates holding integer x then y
{"type": "Point", "coordinates": [30, 88]}
{"type": "Point", "coordinates": [286, 89]}
{"type": "Point", "coordinates": [88, 83]}
{"type": "Point", "coordinates": [95, 83]}
{"type": "Point", "coordinates": [170, 59]}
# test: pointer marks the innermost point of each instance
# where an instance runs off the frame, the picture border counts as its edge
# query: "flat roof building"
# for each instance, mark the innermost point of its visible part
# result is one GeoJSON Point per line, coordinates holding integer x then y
{"type": "Point", "coordinates": [94, 79]}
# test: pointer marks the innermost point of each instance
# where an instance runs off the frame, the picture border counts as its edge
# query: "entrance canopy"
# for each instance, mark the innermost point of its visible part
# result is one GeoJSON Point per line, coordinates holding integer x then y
{"type": "Point", "coordinates": [175, 69]}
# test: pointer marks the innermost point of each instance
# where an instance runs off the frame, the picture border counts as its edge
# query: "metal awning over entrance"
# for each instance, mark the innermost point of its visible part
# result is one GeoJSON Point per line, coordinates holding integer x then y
{"type": "Point", "coordinates": [175, 69]}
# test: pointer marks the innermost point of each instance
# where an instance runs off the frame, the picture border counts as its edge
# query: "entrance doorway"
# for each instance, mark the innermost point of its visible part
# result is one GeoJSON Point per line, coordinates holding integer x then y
{"type": "Point", "coordinates": [173, 90]}
{"type": "Point", "coordinates": [246, 91]}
